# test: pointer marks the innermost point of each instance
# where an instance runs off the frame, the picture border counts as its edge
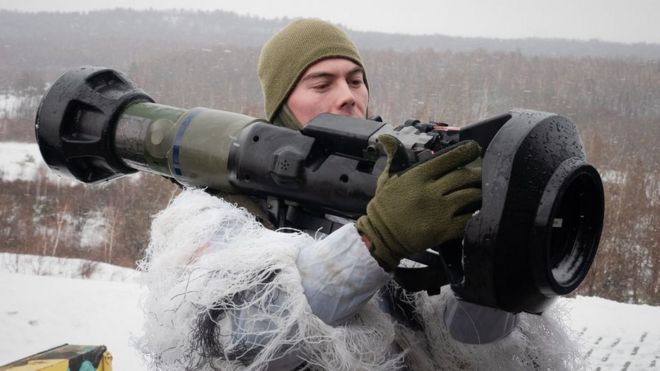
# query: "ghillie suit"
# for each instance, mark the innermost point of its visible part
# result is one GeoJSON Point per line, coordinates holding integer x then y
{"type": "Point", "coordinates": [224, 292]}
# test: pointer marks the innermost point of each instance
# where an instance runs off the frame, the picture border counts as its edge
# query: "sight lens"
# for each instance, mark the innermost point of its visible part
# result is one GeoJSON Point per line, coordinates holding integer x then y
{"type": "Point", "coordinates": [569, 221]}
{"type": "Point", "coordinates": [574, 233]}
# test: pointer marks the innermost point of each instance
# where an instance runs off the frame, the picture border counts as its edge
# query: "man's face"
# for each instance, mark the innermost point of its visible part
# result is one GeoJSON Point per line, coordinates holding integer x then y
{"type": "Point", "coordinates": [334, 85]}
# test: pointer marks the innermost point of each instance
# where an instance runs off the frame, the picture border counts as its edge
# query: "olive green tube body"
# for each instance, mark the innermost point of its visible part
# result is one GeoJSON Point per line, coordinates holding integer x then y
{"type": "Point", "coordinates": [191, 146]}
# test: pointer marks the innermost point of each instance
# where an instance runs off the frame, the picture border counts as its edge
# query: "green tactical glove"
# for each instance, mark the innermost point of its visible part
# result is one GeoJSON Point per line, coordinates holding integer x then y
{"type": "Point", "coordinates": [423, 206]}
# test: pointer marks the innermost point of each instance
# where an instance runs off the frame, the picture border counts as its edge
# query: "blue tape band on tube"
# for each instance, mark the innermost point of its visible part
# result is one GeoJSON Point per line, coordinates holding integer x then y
{"type": "Point", "coordinates": [176, 149]}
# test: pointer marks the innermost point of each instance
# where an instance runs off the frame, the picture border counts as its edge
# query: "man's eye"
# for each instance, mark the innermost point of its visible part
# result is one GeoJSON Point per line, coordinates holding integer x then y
{"type": "Point", "coordinates": [356, 82]}
{"type": "Point", "coordinates": [321, 86]}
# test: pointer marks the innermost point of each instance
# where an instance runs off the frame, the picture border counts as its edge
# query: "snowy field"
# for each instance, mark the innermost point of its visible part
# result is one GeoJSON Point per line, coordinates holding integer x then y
{"type": "Point", "coordinates": [10, 103]}
{"type": "Point", "coordinates": [23, 162]}
{"type": "Point", "coordinates": [616, 336]}
{"type": "Point", "coordinates": [46, 302]}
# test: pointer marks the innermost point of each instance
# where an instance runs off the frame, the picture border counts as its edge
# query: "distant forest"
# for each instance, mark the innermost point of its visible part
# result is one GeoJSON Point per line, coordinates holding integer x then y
{"type": "Point", "coordinates": [187, 59]}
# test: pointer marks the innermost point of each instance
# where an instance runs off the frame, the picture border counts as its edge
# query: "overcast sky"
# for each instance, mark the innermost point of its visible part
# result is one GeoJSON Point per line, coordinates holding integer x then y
{"type": "Point", "coordinates": [611, 20]}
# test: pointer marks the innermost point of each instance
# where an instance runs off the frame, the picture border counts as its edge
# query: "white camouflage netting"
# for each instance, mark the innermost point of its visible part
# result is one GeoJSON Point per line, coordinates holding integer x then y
{"type": "Point", "coordinates": [211, 264]}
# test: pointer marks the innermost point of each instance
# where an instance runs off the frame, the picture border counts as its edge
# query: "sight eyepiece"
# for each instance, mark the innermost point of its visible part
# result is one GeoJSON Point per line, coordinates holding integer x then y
{"type": "Point", "coordinates": [538, 230]}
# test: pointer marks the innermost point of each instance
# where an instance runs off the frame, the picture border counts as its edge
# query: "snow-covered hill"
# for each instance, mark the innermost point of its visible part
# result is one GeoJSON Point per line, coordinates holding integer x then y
{"type": "Point", "coordinates": [46, 302]}
{"type": "Point", "coordinates": [38, 312]}
{"type": "Point", "coordinates": [616, 336]}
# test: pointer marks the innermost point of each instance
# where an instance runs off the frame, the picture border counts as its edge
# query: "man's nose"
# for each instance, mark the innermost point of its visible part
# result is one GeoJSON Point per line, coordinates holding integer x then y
{"type": "Point", "coordinates": [345, 96]}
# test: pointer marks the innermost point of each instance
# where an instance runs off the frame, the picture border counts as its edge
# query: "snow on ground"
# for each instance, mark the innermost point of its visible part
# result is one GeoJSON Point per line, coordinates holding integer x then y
{"type": "Point", "coordinates": [616, 336]}
{"type": "Point", "coordinates": [19, 161]}
{"type": "Point", "coordinates": [65, 268]}
{"type": "Point", "coordinates": [46, 303]}
{"type": "Point", "coordinates": [23, 162]}
{"type": "Point", "coordinates": [40, 312]}
{"type": "Point", "coordinates": [9, 104]}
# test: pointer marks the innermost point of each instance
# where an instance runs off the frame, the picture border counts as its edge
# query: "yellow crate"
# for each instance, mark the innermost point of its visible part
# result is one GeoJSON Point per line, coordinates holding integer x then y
{"type": "Point", "coordinates": [65, 357]}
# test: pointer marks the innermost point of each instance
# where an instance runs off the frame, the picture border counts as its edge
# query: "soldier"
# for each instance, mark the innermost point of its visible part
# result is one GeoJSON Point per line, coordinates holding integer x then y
{"type": "Point", "coordinates": [236, 293]}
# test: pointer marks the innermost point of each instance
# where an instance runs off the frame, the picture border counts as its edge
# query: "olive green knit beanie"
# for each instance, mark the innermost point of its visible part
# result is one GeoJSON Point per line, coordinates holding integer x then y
{"type": "Point", "coordinates": [286, 56]}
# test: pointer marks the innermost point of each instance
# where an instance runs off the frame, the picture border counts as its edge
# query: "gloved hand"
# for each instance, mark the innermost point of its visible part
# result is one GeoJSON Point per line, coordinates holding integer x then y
{"type": "Point", "coordinates": [422, 206]}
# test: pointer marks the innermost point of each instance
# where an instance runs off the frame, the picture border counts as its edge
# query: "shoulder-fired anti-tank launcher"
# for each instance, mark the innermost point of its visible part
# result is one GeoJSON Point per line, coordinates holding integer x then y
{"type": "Point", "coordinates": [533, 239]}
